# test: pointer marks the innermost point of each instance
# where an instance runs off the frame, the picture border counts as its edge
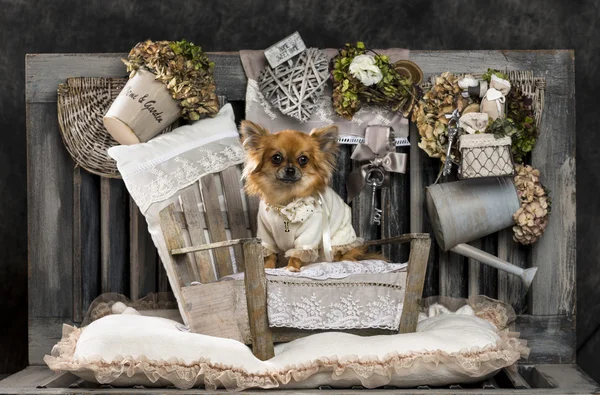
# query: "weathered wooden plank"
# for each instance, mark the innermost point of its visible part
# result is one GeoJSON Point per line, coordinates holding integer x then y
{"type": "Point", "coordinates": [211, 246]}
{"type": "Point", "coordinates": [182, 265]}
{"type": "Point", "coordinates": [209, 308]}
{"type": "Point", "coordinates": [553, 379]}
{"type": "Point", "coordinates": [551, 338]}
{"type": "Point", "coordinates": [31, 376]}
{"type": "Point", "coordinates": [142, 255]}
{"type": "Point", "coordinates": [453, 268]}
{"type": "Point", "coordinates": [59, 380]}
{"type": "Point", "coordinates": [253, 202]}
{"type": "Point", "coordinates": [489, 275]}
{"type": "Point", "coordinates": [343, 168]}
{"type": "Point", "coordinates": [510, 288]}
{"type": "Point", "coordinates": [162, 279]}
{"type": "Point", "coordinates": [569, 377]}
{"type": "Point", "coordinates": [395, 219]}
{"type": "Point", "coordinates": [483, 280]}
{"type": "Point", "coordinates": [453, 275]}
{"type": "Point", "coordinates": [190, 202]}
{"type": "Point", "coordinates": [230, 179]}
{"type": "Point", "coordinates": [46, 71]}
{"type": "Point", "coordinates": [554, 156]}
{"type": "Point", "coordinates": [114, 236]}
{"type": "Point", "coordinates": [255, 282]}
{"type": "Point", "coordinates": [216, 228]}
{"type": "Point", "coordinates": [516, 380]}
{"type": "Point", "coordinates": [86, 241]}
{"type": "Point", "coordinates": [474, 287]}
{"type": "Point", "coordinates": [50, 226]}
{"type": "Point", "coordinates": [44, 333]}
{"type": "Point", "coordinates": [400, 239]}
{"type": "Point", "coordinates": [417, 267]}
{"type": "Point", "coordinates": [422, 172]}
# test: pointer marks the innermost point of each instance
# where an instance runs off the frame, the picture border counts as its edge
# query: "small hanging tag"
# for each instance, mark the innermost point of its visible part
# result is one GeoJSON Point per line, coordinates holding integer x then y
{"type": "Point", "coordinates": [285, 49]}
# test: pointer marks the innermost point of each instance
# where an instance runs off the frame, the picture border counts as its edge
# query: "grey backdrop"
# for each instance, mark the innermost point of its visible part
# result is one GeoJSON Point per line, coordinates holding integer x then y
{"type": "Point", "coordinates": [28, 26]}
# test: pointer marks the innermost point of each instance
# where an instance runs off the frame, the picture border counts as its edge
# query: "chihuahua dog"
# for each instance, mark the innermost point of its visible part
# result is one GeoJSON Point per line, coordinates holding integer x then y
{"type": "Point", "coordinates": [299, 215]}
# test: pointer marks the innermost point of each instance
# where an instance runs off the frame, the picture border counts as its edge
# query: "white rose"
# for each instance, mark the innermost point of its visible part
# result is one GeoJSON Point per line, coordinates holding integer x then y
{"type": "Point", "coordinates": [467, 81]}
{"type": "Point", "coordinates": [364, 69]}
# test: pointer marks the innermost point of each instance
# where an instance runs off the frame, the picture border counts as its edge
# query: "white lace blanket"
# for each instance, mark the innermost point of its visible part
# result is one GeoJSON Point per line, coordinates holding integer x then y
{"type": "Point", "coordinates": [336, 295]}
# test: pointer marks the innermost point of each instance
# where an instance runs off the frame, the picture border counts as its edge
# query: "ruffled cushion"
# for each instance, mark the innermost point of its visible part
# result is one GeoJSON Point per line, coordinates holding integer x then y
{"type": "Point", "coordinates": [127, 350]}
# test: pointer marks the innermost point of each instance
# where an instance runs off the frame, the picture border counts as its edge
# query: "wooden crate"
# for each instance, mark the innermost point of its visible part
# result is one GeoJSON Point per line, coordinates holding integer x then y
{"type": "Point", "coordinates": [86, 236]}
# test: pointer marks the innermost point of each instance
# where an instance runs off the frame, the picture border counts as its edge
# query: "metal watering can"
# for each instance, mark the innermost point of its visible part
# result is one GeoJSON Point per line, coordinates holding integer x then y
{"type": "Point", "coordinates": [463, 211]}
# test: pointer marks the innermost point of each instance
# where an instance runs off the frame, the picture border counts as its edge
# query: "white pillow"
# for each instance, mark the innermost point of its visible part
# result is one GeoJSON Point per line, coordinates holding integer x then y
{"type": "Point", "coordinates": [156, 170]}
{"type": "Point", "coordinates": [156, 173]}
{"type": "Point", "coordinates": [127, 350]}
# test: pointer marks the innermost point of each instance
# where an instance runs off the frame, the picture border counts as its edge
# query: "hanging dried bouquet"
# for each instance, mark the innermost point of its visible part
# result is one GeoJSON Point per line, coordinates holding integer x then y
{"type": "Point", "coordinates": [361, 76]}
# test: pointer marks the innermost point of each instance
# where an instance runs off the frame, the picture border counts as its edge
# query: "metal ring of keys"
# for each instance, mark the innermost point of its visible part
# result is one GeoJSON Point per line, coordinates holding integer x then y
{"type": "Point", "coordinates": [375, 178]}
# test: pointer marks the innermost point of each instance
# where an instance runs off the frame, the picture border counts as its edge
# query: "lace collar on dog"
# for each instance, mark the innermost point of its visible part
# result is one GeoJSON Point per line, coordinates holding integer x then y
{"type": "Point", "coordinates": [298, 210]}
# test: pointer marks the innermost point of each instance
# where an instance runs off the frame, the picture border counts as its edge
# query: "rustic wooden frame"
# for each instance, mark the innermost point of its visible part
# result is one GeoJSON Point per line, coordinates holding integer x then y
{"type": "Point", "coordinates": [183, 229]}
{"type": "Point", "coordinates": [67, 269]}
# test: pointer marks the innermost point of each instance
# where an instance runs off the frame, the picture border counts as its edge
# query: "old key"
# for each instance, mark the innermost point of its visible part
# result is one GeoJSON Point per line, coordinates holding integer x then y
{"type": "Point", "coordinates": [375, 178]}
{"type": "Point", "coordinates": [453, 133]}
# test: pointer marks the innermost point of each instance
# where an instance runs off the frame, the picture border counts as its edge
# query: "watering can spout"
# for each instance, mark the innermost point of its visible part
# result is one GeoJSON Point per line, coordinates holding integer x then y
{"type": "Point", "coordinates": [526, 275]}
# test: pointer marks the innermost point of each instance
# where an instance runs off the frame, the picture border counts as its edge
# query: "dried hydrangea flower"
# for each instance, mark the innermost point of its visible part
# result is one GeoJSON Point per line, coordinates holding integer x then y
{"type": "Point", "coordinates": [531, 218]}
{"type": "Point", "coordinates": [430, 115]}
{"type": "Point", "coordinates": [185, 70]}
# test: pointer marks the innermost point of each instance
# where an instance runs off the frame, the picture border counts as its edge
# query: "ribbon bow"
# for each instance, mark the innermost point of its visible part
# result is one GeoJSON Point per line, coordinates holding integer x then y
{"type": "Point", "coordinates": [379, 149]}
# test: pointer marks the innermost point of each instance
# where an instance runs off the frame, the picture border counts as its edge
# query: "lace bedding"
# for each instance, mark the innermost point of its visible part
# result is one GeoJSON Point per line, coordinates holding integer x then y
{"type": "Point", "coordinates": [335, 295]}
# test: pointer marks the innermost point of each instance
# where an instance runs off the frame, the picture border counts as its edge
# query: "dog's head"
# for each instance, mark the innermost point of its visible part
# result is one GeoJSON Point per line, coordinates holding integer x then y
{"type": "Point", "coordinates": [287, 165]}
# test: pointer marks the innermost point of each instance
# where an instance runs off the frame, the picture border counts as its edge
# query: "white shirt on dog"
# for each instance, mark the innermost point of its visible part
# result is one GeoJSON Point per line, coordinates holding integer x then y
{"type": "Point", "coordinates": [297, 229]}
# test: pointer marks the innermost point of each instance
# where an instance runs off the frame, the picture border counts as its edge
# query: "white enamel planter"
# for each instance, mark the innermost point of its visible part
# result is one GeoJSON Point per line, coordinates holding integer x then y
{"type": "Point", "coordinates": [141, 111]}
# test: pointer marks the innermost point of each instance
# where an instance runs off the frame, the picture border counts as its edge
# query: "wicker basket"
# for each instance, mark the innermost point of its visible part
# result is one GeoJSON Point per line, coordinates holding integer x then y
{"type": "Point", "coordinates": [82, 102]}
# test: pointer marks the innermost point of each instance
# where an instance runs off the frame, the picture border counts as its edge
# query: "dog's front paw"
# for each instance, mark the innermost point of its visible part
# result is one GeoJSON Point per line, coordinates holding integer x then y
{"type": "Point", "coordinates": [270, 261]}
{"type": "Point", "coordinates": [294, 265]}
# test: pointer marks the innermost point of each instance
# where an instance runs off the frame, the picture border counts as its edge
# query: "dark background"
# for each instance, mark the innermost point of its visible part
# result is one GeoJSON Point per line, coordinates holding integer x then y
{"type": "Point", "coordinates": [28, 26]}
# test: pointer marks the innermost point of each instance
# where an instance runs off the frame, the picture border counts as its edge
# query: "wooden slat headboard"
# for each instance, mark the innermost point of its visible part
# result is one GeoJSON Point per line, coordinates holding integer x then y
{"type": "Point", "coordinates": [87, 237]}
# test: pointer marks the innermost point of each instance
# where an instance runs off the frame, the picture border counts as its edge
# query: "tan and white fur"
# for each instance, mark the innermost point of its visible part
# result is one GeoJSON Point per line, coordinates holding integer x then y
{"type": "Point", "coordinates": [290, 171]}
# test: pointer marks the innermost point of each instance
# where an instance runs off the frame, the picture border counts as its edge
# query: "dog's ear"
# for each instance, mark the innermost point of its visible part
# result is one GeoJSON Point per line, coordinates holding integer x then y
{"type": "Point", "coordinates": [252, 134]}
{"type": "Point", "coordinates": [327, 138]}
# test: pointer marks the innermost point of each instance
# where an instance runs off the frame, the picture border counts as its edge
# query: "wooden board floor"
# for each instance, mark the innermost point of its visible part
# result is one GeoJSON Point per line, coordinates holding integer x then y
{"type": "Point", "coordinates": [554, 379]}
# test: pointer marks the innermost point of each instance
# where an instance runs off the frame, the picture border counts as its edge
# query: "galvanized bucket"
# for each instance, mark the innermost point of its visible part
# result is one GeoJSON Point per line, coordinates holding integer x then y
{"type": "Point", "coordinates": [467, 210]}
{"type": "Point", "coordinates": [463, 211]}
{"type": "Point", "coordinates": [141, 111]}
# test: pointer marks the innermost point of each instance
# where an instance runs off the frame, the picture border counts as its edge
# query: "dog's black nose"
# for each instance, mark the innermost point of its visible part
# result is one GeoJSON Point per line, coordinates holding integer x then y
{"type": "Point", "coordinates": [290, 171]}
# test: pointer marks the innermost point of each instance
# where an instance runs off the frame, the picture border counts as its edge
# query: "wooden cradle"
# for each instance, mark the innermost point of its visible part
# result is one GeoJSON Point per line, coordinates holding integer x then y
{"type": "Point", "coordinates": [86, 237]}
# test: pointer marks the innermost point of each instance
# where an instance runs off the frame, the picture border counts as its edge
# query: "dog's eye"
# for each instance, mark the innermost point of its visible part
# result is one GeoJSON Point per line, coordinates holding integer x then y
{"type": "Point", "coordinates": [277, 158]}
{"type": "Point", "coordinates": [303, 160]}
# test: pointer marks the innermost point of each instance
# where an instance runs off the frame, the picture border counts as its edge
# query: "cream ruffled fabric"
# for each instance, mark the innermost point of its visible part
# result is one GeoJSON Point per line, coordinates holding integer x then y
{"type": "Point", "coordinates": [234, 368]}
{"type": "Point", "coordinates": [297, 229]}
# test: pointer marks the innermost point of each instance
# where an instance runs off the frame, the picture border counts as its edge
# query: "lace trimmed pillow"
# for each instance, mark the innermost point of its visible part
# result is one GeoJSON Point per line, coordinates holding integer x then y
{"type": "Point", "coordinates": [128, 350]}
{"type": "Point", "coordinates": [158, 172]}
